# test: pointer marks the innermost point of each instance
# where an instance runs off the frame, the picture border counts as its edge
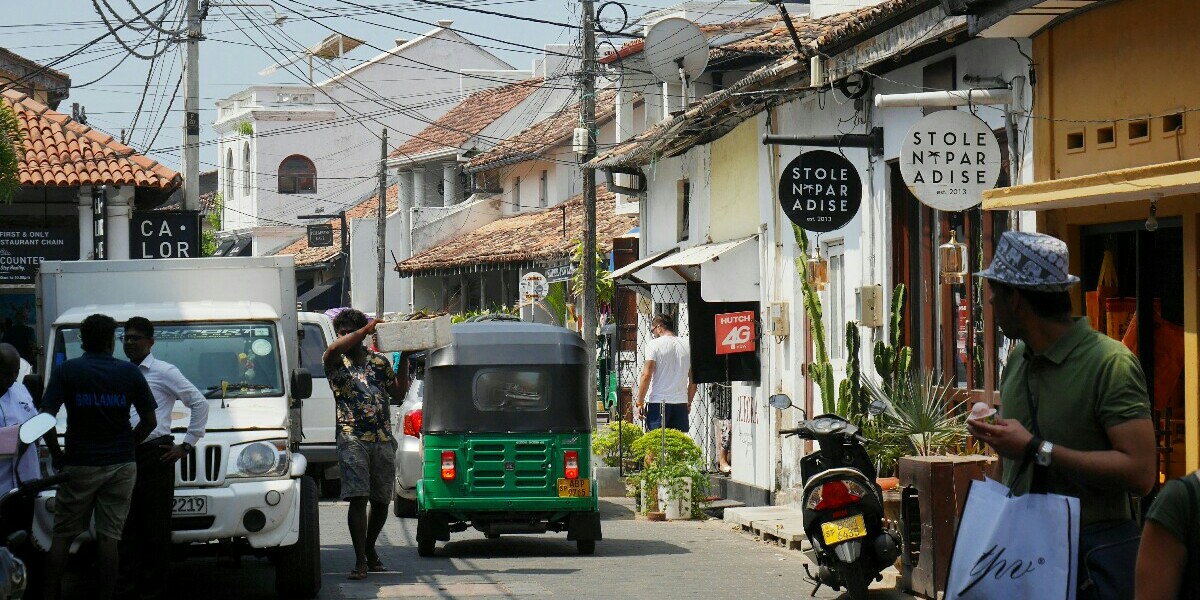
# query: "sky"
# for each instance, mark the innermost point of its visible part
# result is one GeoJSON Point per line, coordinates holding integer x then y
{"type": "Point", "coordinates": [230, 61]}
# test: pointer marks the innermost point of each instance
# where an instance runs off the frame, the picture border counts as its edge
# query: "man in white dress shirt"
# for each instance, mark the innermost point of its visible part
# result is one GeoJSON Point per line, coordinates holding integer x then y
{"type": "Point", "coordinates": [146, 540]}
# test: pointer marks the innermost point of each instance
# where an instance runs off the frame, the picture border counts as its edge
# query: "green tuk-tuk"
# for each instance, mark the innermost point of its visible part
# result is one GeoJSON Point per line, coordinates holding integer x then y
{"type": "Point", "coordinates": [507, 436]}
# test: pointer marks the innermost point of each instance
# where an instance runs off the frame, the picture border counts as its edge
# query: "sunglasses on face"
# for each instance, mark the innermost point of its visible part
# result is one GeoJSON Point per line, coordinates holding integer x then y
{"type": "Point", "coordinates": [132, 337]}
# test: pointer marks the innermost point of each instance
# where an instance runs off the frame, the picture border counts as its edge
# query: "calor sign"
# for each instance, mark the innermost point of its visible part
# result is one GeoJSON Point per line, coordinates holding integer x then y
{"type": "Point", "coordinates": [949, 158]}
{"type": "Point", "coordinates": [736, 332]}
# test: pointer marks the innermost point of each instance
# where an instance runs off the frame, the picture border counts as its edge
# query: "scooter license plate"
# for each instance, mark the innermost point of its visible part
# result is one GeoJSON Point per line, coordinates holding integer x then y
{"type": "Point", "coordinates": [574, 488]}
{"type": "Point", "coordinates": [183, 506]}
{"type": "Point", "coordinates": [844, 529]}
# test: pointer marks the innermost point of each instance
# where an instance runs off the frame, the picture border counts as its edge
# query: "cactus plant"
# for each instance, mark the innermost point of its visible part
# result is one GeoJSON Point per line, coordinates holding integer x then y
{"type": "Point", "coordinates": [819, 370]}
{"type": "Point", "coordinates": [891, 359]}
{"type": "Point", "coordinates": [851, 402]}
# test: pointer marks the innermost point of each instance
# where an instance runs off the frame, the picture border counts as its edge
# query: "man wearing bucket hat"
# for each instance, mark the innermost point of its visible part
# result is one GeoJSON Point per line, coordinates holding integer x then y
{"type": "Point", "coordinates": [1074, 407]}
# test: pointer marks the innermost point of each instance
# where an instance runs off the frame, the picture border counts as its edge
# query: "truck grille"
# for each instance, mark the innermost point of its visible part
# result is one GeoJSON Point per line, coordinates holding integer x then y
{"type": "Point", "coordinates": [202, 466]}
{"type": "Point", "coordinates": [495, 466]}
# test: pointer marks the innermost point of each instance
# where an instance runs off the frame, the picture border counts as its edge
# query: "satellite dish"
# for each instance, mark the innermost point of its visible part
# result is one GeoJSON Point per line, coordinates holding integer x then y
{"type": "Point", "coordinates": [674, 40]}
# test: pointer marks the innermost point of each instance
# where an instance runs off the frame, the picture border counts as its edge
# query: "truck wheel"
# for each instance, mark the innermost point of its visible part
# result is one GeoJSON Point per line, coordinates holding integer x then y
{"type": "Point", "coordinates": [426, 538]}
{"type": "Point", "coordinates": [404, 508]}
{"type": "Point", "coordinates": [586, 547]}
{"type": "Point", "coordinates": [298, 571]}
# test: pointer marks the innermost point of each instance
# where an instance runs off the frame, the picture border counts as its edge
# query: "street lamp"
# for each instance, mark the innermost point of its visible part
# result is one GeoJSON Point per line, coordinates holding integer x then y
{"type": "Point", "coordinates": [278, 17]}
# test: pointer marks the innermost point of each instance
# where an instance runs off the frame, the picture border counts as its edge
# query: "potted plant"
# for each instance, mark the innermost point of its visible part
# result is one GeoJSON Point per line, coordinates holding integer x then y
{"type": "Point", "coordinates": [613, 445]}
{"type": "Point", "coordinates": [921, 417]}
{"type": "Point", "coordinates": [674, 477]}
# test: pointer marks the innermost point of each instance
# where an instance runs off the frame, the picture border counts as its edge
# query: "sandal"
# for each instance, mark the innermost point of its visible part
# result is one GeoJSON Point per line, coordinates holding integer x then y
{"type": "Point", "coordinates": [376, 566]}
{"type": "Point", "coordinates": [357, 574]}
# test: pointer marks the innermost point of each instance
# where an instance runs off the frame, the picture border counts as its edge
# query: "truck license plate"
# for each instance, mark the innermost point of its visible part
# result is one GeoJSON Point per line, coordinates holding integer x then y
{"type": "Point", "coordinates": [844, 529]}
{"type": "Point", "coordinates": [189, 505]}
{"type": "Point", "coordinates": [574, 488]}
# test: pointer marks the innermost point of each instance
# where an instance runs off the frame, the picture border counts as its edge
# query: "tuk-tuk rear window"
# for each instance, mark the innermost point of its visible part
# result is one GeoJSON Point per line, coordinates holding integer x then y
{"type": "Point", "coordinates": [511, 390]}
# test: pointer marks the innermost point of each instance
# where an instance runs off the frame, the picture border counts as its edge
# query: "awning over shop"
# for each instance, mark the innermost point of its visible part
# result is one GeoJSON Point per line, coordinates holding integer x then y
{"type": "Point", "coordinates": [728, 270]}
{"type": "Point", "coordinates": [1122, 185]}
{"type": "Point", "coordinates": [698, 255]}
{"type": "Point", "coordinates": [628, 271]}
{"type": "Point", "coordinates": [224, 247]}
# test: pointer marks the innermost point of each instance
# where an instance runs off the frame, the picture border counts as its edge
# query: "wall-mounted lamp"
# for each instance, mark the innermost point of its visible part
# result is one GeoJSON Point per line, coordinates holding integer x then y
{"type": "Point", "coordinates": [952, 259]}
{"type": "Point", "coordinates": [1152, 220]}
{"type": "Point", "coordinates": [818, 269]}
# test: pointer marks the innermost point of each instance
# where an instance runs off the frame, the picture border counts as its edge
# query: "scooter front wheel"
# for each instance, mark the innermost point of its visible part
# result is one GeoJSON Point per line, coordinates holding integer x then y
{"type": "Point", "coordinates": [855, 580]}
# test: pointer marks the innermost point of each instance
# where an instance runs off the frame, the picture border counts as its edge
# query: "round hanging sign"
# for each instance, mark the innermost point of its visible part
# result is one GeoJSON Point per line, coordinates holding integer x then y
{"type": "Point", "coordinates": [949, 158]}
{"type": "Point", "coordinates": [820, 191]}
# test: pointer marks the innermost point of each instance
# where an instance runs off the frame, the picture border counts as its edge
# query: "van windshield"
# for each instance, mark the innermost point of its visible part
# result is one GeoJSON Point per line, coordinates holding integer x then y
{"type": "Point", "coordinates": [243, 355]}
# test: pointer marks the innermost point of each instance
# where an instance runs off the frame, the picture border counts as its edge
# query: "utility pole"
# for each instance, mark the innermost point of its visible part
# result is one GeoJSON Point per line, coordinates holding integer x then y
{"type": "Point", "coordinates": [588, 118]}
{"type": "Point", "coordinates": [191, 110]}
{"type": "Point", "coordinates": [381, 230]}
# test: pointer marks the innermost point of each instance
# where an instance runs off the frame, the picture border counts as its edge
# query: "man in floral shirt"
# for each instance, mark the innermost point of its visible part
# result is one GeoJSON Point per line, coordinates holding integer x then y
{"type": "Point", "coordinates": [364, 385]}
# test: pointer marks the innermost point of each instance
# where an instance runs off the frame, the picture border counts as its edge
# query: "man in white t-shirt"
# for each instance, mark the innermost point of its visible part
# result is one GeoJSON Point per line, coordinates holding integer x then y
{"type": "Point", "coordinates": [666, 384]}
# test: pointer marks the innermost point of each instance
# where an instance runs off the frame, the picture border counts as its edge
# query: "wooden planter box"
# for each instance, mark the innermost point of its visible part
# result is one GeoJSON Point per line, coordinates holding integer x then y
{"type": "Point", "coordinates": [933, 491]}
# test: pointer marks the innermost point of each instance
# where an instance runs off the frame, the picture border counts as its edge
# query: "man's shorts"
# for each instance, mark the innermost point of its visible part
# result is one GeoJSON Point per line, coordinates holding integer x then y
{"type": "Point", "coordinates": [367, 468]}
{"type": "Point", "coordinates": [677, 416]}
{"type": "Point", "coordinates": [104, 489]}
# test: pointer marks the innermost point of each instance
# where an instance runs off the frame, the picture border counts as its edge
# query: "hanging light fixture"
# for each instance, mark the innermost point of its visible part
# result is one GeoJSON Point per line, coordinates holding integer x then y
{"type": "Point", "coordinates": [818, 269]}
{"type": "Point", "coordinates": [952, 258]}
{"type": "Point", "coordinates": [1152, 220]}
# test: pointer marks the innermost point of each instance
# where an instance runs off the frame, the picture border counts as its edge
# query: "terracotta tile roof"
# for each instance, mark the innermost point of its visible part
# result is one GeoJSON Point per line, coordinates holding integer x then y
{"type": "Point", "coordinates": [62, 152]}
{"type": "Point", "coordinates": [311, 256]}
{"type": "Point", "coordinates": [712, 30]}
{"type": "Point", "coordinates": [780, 81]}
{"type": "Point", "coordinates": [536, 236]}
{"type": "Point", "coordinates": [543, 135]}
{"type": "Point", "coordinates": [472, 115]}
{"type": "Point", "coordinates": [819, 33]}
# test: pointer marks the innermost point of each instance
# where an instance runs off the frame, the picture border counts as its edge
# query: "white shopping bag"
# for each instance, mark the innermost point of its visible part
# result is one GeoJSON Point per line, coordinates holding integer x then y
{"type": "Point", "coordinates": [1014, 547]}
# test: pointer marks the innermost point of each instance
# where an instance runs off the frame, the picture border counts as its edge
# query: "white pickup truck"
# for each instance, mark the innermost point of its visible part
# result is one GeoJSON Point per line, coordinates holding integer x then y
{"type": "Point", "coordinates": [230, 325]}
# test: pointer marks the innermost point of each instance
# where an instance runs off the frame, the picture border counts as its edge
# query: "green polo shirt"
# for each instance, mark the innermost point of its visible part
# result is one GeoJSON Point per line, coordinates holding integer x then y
{"type": "Point", "coordinates": [1085, 383]}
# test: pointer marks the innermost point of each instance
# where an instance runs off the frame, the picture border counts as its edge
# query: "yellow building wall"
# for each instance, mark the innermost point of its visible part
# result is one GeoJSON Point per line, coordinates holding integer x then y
{"type": "Point", "coordinates": [734, 184]}
{"type": "Point", "coordinates": [1134, 59]}
{"type": "Point", "coordinates": [1128, 61]}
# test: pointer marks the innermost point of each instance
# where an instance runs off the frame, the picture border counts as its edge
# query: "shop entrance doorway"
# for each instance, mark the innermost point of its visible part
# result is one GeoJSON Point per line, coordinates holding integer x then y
{"type": "Point", "coordinates": [1148, 269]}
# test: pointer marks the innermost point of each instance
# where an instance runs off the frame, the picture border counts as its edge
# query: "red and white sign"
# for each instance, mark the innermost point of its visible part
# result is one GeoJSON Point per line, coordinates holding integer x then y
{"type": "Point", "coordinates": [735, 332]}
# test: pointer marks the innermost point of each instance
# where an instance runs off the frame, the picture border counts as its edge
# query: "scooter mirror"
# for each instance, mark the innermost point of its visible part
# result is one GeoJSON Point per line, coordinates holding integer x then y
{"type": "Point", "coordinates": [877, 407]}
{"type": "Point", "coordinates": [33, 429]}
{"type": "Point", "coordinates": [780, 401]}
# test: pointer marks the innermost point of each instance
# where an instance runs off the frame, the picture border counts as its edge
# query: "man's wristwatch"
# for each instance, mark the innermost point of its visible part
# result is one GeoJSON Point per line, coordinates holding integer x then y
{"type": "Point", "coordinates": [1043, 453]}
{"type": "Point", "coordinates": [187, 447]}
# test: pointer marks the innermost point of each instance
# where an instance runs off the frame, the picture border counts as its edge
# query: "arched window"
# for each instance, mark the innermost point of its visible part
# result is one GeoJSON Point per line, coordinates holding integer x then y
{"type": "Point", "coordinates": [246, 176]}
{"type": "Point", "coordinates": [297, 175]}
{"type": "Point", "coordinates": [229, 175]}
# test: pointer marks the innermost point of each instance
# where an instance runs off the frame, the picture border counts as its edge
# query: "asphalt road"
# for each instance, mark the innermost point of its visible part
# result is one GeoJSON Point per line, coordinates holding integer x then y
{"type": "Point", "coordinates": [636, 559]}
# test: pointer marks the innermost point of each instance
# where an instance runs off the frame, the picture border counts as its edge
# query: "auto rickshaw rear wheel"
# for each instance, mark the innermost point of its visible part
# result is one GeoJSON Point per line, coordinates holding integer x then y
{"type": "Point", "coordinates": [586, 547]}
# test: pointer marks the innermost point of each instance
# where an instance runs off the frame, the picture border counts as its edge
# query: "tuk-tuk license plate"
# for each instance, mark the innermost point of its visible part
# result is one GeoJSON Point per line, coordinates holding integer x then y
{"type": "Point", "coordinates": [574, 488]}
{"type": "Point", "coordinates": [183, 506]}
{"type": "Point", "coordinates": [844, 529]}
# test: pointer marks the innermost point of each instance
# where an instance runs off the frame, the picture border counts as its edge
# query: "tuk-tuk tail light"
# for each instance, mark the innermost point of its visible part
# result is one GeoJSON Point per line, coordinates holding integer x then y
{"type": "Point", "coordinates": [448, 469]}
{"type": "Point", "coordinates": [571, 464]}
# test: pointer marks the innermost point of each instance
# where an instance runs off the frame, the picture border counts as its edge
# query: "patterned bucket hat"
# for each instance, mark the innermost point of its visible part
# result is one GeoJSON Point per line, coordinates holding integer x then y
{"type": "Point", "coordinates": [1032, 261]}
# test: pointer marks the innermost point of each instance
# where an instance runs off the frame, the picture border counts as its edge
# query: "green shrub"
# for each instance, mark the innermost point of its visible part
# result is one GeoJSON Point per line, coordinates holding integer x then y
{"type": "Point", "coordinates": [607, 443]}
{"type": "Point", "coordinates": [671, 476]}
{"type": "Point", "coordinates": [680, 447]}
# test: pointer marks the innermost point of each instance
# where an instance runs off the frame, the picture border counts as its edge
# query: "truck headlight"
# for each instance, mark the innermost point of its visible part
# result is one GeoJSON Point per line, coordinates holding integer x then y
{"type": "Point", "coordinates": [266, 458]}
